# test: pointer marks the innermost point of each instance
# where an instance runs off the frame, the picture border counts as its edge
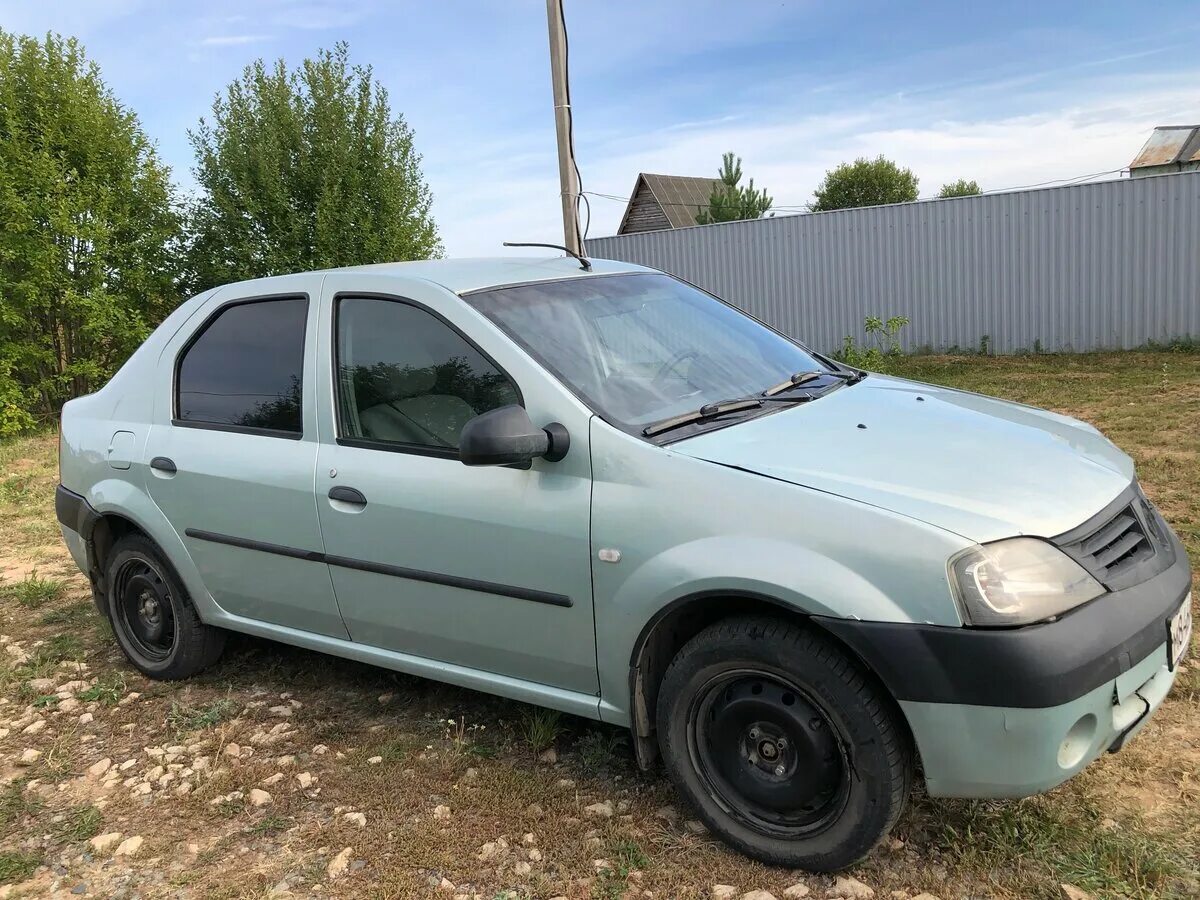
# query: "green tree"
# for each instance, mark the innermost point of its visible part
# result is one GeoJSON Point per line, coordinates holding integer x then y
{"type": "Point", "coordinates": [960, 188]}
{"type": "Point", "coordinates": [305, 169]}
{"type": "Point", "coordinates": [730, 201]}
{"type": "Point", "coordinates": [86, 267]}
{"type": "Point", "coordinates": [865, 182]}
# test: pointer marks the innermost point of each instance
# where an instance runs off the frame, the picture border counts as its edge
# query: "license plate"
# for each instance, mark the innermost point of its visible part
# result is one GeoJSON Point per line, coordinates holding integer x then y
{"type": "Point", "coordinates": [1180, 631]}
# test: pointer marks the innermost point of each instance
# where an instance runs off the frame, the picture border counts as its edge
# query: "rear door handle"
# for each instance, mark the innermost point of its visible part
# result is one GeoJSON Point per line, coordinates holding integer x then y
{"type": "Point", "coordinates": [163, 464]}
{"type": "Point", "coordinates": [347, 495]}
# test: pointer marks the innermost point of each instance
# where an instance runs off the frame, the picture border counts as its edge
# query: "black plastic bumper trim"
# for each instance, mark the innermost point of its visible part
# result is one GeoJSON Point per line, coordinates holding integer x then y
{"type": "Point", "coordinates": [1032, 667]}
{"type": "Point", "coordinates": [74, 512]}
{"type": "Point", "coordinates": [362, 565]}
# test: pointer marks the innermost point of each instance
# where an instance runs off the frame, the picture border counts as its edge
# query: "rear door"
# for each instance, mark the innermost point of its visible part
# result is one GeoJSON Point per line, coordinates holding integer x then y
{"type": "Point", "coordinates": [488, 567]}
{"type": "Point", "coordinates": [230, 458]}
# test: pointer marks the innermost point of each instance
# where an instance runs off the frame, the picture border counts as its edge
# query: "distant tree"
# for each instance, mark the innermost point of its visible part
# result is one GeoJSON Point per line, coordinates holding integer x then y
{"type": "Point", "coordinates": [86, 267]}
{"type": "Point", "coordinates": [865, 182]}
{"type": "Point", "coordinates": [960, 188]}
{"type": "Point", "coordinates": [730, 201]}
{"type": "Point", "coordinates": [305, 169]}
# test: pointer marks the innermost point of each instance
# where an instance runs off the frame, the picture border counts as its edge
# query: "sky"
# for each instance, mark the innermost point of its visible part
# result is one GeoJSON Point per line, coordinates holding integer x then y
{"type": "Point", "coordinates": [1006, 93]}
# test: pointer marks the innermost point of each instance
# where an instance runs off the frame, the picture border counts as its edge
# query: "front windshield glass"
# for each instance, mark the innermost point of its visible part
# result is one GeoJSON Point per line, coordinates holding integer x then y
{"type": "Point", "coordinates": [641, 348]}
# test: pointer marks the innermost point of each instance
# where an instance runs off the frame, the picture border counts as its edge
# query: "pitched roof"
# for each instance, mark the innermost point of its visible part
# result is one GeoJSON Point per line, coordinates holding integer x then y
{"type": "Point", "coordinates": [679, 196]}
{"type": "Point", "coordinates": [1170, 144]}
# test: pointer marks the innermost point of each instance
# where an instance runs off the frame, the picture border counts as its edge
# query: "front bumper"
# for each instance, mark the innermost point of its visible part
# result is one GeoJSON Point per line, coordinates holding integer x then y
{"type": "Point", "coordinates": [1011, 712]}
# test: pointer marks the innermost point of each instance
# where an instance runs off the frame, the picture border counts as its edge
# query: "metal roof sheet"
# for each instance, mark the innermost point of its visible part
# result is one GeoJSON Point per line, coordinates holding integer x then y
{"type": "Point", "coordinates": [1169, 144]}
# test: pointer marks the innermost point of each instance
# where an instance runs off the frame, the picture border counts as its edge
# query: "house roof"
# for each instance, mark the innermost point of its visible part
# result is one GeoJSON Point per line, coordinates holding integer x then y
{"type": "Point", "coordinates": [679, 196]}
{"type": "Point", "coordinates": [1170, 144]}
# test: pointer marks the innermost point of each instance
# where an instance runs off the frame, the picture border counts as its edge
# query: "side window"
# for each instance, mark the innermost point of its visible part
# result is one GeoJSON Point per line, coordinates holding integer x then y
{"type": "Point", "coordinates": [406, 378]}
{"type": "Point", "coordinates": [245, 368]}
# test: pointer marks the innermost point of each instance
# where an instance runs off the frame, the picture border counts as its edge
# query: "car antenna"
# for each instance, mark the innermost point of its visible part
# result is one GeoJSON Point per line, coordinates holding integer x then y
{"type": "Point", "coordinates": [584, 263]}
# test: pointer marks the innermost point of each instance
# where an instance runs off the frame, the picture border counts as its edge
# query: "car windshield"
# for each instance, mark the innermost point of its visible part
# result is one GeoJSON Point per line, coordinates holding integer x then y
{"type": "Point", "coordinates": [641, 348]}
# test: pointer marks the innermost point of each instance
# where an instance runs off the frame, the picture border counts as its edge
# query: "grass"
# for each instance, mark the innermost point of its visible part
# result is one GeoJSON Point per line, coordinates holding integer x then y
{"type": "Point", "coordinates": [598, 751]}
{"type": "Point", "coordinates": [1126, 828]}
{"type": "Point", "coordinates": [540, 727]}
{"type": "Point", "coordinates": [33, 592]}
{"type": "Point", "coordinates": [73, 615]}
{"type": "Point", "coordinates": [15, 804]}
{"type": "Point", "coordinates": [79, 824]}
{"type": "Point", "coordinates": [183, 718]}
{"type": "Point", "coordinates": [16, 866]}
{"type": "Point", "coordinates": [108, 689]}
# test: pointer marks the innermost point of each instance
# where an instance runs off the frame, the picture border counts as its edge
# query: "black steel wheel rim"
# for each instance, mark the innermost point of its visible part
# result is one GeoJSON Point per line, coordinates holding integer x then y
{"type": "Point", "coordinates": [144, 610]}
{"type": "Point", "coordinates": [769, 753]}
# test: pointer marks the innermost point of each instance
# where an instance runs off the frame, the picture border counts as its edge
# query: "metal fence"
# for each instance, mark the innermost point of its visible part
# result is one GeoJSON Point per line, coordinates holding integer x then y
{"type": "Point", "coordinates": [1112, 264]}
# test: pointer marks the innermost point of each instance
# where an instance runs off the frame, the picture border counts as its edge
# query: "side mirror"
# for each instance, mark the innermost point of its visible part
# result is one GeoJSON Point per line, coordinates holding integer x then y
{"type": "Point", "coordinates": [507, 436]}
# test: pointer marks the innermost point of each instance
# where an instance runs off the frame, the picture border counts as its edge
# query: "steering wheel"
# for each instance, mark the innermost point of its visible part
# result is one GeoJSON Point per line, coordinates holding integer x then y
{"type": "Point", "coordinates": [671, 364]}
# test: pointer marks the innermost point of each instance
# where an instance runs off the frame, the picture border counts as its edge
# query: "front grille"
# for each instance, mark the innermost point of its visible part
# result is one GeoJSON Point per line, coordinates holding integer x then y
{"type": "Point", "coordinates": [1116, 546]}
{"type": "Point", "coordinates": [1124, 544]}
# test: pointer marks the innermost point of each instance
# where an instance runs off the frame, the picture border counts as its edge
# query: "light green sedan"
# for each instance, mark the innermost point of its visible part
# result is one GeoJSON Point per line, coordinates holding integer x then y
{"type": "Point", "coordinates": [600, 489]}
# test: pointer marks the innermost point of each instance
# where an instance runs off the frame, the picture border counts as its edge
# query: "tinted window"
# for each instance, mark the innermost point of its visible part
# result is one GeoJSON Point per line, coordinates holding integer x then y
{"type": "Point", "coordinates": [246, 367]}
{"type": "Point", "coordinates": [407, 378]}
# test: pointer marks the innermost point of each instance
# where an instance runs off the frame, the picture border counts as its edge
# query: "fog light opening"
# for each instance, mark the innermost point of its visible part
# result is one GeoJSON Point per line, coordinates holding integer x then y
{"type": "Point", "coordinates": [1075, 745]}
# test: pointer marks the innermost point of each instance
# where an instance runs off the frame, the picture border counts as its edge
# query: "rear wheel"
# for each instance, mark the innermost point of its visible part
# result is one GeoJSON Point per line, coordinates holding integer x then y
{"type": "Point", "coordinates": [784, 746]}
{"type": "Point", "coordinates": [153, 617]}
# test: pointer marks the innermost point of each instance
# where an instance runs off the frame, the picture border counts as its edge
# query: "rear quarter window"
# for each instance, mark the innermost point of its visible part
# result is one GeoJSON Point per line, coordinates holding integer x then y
{"type": "Point", "coordinates": [244, 369]}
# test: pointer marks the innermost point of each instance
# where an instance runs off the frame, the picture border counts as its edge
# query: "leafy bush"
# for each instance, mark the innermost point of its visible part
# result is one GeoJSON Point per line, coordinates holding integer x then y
{"type": "Point", "coordinates": [880, 347]}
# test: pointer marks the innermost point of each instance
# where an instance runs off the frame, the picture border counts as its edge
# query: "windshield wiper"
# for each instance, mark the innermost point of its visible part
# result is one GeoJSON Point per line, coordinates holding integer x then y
{"type": "Point", "coordinates": [804, 377]}
{"type": "Point", "coordinates": [707, 411]}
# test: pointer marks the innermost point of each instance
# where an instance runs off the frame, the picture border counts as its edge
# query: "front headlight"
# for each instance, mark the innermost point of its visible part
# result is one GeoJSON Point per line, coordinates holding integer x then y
{"type": "Point", "coordinates": [1018, 581]}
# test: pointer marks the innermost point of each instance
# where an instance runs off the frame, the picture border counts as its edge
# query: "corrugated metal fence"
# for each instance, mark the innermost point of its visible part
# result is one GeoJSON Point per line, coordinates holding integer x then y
{"type": "Point", "coordinates": [1113, 264]}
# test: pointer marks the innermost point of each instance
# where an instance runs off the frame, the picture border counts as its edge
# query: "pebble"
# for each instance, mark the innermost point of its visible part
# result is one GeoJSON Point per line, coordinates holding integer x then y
{"type": "Point", "coordinates": [374, 760]}
{"type": "Point", "coordinates": [28, 757]}
{"type": "Point", "coordinates": [129, 846]}
{"type": "Point", "coordinates": [441, 811]}
{"type": "Point", "coordinates": [695, 826]}
{"type": "Point", "coordinates": [86, 718]}
{"type": "Point", "coordinates": [799, 889]}
{"type": "Point", "coordinates": [259, 797]}
{"type": "Point", "coordinates": [603, 809]}
{"type": "Point", "coordinates": [338, 865]}
{"type": "Point", "coordinates": [550, 757]}
{"type": "Point", "coordinates": [35, 727]}
{"type": "Point", "coordinates": [758, 895]}
{"type": "Point", "coordinates": [356, 818]}
{"type": "Point", "coordinates": [723, 892]}
{"type": "Point", "coordinates": [850, 889]}
{"type": "Point", "coordinates": [1070, 892]}
{"type": "Point", "coordinates": [306, 779]}
{"type": "Point", "coordinates": [102, 843]}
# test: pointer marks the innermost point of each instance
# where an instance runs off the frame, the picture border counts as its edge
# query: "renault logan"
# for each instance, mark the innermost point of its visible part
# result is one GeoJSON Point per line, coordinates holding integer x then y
{"type": "Point", "coordinates": [602, 490]}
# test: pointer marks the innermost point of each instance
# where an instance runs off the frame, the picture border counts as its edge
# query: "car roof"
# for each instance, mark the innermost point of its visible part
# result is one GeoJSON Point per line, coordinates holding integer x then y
{"type": "Point", "coordinates": [464, 275]}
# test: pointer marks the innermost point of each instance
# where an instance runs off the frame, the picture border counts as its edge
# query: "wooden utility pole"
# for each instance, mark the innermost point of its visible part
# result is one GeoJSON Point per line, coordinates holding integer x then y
{"type": "Point", "coordinates": [568, 182]}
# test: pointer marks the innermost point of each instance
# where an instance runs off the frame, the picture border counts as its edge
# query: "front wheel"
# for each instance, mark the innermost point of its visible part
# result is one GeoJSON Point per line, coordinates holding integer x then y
{"type": "Point", "coordinates": [785, 747]}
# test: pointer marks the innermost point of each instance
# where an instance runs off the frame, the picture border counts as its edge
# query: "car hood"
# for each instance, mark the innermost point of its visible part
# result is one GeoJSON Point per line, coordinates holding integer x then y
{"type": "Point", "coordinates": [982, 468]}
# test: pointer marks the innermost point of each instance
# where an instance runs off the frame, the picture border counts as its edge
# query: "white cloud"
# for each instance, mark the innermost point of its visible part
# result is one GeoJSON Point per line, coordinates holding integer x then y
{"type": "Point", "coordinates": [234, 40]}
{"type": "Point", "coordinates": [1075, 131]}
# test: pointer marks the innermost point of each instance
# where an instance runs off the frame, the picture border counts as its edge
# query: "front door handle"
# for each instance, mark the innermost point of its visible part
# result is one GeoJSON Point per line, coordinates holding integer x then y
{"type": "Point", "coordinates": [347, 495]}
{"type": "Point", "coordinates": [163, 464]}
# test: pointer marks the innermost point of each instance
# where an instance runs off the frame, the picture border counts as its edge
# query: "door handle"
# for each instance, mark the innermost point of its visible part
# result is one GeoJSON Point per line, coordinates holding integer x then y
{"type": "Point", "coordinates": [347, 495]}
{"type": "Point", "coordinates": [163, 464]}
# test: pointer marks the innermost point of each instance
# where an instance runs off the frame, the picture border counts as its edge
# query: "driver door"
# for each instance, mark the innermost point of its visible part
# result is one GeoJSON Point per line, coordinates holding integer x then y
{"type": "Point", "coordinates": [487, 568]}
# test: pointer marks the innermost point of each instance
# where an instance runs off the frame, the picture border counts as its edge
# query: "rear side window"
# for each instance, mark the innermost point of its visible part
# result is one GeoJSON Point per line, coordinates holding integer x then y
{"type": "Point", "coordinates": [244, 370]}
{"type": "Point", "coordinates": [407, 380]}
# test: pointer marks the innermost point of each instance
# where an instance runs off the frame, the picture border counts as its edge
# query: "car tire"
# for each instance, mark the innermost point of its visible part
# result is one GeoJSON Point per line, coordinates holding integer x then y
{"type": "Point", "coordinates": [785, 746]}
{"type": "Point", "coordinates": [152, 615]}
